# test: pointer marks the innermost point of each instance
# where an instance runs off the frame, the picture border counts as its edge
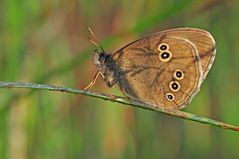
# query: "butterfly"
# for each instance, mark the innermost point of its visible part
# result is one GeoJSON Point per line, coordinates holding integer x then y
{"type": "Point", "coordinates": [165, 69]}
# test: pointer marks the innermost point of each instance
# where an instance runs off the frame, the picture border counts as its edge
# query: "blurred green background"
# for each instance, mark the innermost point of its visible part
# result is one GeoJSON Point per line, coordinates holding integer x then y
{"type": "Point", "coordinates": [45, 42]}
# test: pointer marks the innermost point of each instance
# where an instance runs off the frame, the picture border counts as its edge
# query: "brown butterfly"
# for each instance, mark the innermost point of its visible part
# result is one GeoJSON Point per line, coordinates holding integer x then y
{"type": "Point", "coordinates": [165, 69]}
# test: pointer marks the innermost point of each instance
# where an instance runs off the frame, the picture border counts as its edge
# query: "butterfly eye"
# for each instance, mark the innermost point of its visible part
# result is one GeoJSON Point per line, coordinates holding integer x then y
{"type": "Point", "coordinates": [170, 96]}
{"type": "Point", "coordinates": [163, 47]}
{"type": "Point", "coordinates": [174, 86]}
{"type": "Point", "coordinates": [178, 74]}
{"type": "Point", "coordinates": [165, 56]}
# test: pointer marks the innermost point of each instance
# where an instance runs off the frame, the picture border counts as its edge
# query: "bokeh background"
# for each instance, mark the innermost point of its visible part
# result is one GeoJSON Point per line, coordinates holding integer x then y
{"type": "Point", "coordinates": [45, 42]}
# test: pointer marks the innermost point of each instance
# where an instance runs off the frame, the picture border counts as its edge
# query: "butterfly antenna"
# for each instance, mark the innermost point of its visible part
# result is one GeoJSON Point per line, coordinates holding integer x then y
{"type": "Point", "coordinates": [94, 40]}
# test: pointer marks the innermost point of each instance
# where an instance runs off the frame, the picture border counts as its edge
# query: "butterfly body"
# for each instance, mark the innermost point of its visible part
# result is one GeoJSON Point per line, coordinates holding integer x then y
{"type": "Point", "coordinates": [107, 67]}
{"type": "Point", "coordinates": [165, 69]}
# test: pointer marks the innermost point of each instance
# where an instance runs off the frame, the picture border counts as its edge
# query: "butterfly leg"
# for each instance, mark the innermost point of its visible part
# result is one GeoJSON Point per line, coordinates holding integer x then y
{"type": "Point", "coordinates": [93, 81]}
{"type": "Point", "coordinates": [125, 94]}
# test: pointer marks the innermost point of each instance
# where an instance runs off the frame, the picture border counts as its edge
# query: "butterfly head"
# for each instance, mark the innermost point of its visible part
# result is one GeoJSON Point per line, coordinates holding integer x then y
{"type": "Point", "coordinates": [100, 58]}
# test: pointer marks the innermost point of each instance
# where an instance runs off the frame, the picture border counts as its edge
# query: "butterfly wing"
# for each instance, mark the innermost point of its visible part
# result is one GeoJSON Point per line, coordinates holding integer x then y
{"type": "Point", "coordinates": [146, 75]}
